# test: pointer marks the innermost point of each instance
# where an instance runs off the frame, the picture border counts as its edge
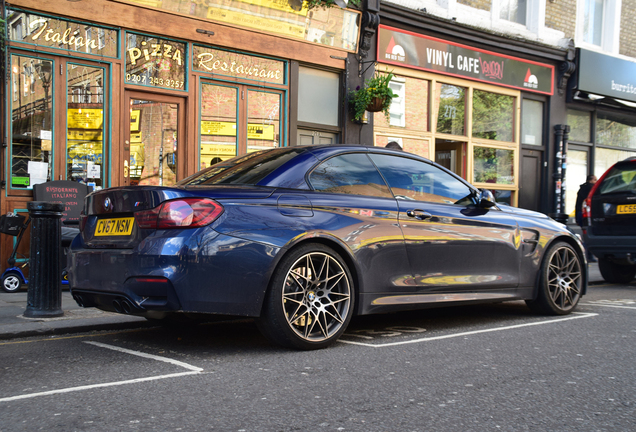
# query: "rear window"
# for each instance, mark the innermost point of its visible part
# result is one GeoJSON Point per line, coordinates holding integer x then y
{"type": "Point", "coordinates": [243, 170]}
{"type": "Point", "coordinates": [620, 179]}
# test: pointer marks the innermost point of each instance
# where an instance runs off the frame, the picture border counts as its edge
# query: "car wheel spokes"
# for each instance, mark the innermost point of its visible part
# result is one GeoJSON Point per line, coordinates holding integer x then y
{"type": "Point", "coordinates": [564, 278]}
{"type": "Point", "coordinates": [316, 296]}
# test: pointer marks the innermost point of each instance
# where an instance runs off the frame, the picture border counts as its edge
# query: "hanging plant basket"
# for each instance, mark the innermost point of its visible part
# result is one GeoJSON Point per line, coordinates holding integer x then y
{"type": "Point", "coordinates": [376, 104]}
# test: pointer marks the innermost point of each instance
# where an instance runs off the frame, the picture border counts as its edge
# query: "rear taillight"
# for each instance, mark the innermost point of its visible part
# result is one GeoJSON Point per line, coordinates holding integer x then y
{"type": "Point", "coordinates": [586, 211]}
{"type": "Point", "coordinates": [82, 221]}
{"type": "Point", "coordinates": [180, 213]}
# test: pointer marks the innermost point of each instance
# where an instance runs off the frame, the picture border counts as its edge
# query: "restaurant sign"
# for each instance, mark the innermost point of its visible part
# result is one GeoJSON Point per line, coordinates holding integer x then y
{"type": "Point", "coordinates": [62, 34]}
{"type": "Point", "coordinates": [416, 51]}
{"type": "Point", "coordinates": [155, 62]}
{"type": "Point", "coordinates": [239, 65]}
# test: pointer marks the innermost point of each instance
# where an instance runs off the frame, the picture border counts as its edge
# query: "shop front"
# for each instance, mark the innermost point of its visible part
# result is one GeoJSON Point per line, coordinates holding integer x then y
{"type": "Point", "coordinates": [601, 113]}
{"type": "Point", "coordinates": [482, 104]}
{"type": "Point", "coordinates": [461, 106]}
{"type": "Point", "coordinates": [116, 93]}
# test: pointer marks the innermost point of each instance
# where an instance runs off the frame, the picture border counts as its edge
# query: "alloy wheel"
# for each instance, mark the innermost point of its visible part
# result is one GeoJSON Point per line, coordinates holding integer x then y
{"type": "Point", "coordinates": [564, 278]}
{"type": "Point", "coordinates": [316, 297]}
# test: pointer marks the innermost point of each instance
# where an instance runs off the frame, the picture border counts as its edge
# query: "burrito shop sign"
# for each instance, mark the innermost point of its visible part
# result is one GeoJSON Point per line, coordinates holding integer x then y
{"type": "Point", "coordinates": [416, 51]}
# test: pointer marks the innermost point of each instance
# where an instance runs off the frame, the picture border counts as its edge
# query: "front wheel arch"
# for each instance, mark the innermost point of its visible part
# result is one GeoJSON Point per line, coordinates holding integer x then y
{"type": "Point", "coordinates": [561, 280]}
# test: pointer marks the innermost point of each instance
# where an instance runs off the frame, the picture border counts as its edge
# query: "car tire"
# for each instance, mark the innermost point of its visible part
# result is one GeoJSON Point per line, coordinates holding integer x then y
{"type": "Point", "coordinates": [616, 273]}
{"type": "Point", "coordinates": [560, 281]}
{"type": "Point", "coordinates": [310, 299]}
{"type": "Point", "coordinates": [11, 282]}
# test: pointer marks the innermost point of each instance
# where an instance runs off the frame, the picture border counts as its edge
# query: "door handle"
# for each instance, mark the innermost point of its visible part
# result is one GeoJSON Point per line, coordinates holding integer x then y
{"type": "Point", "coordinates": [418, 214]}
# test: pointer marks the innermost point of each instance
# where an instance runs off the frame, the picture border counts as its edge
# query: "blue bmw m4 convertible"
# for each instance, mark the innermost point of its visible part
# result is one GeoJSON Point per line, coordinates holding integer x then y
{"type": "Point", "coordinates": [303, 238]}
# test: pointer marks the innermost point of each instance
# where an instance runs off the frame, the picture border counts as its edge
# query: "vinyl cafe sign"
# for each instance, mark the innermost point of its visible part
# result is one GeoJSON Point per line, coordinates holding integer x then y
{"type": "Point", "coordinates": [416, 51]}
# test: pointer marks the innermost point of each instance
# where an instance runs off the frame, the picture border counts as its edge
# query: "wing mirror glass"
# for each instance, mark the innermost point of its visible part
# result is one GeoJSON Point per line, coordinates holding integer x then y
{"type": "Point", "coordinates": [486, 199]}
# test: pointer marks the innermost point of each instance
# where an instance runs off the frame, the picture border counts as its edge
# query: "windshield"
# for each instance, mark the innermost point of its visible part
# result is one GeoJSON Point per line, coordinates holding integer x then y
{"type": "Point", "coordinates": [621, 179]}
{"type": "Point", "coordinates": [243, 170]}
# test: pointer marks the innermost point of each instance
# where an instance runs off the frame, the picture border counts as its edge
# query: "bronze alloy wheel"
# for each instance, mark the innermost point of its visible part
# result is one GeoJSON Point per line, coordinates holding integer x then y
{"type": "Point", "coordinates": [561, 281]}
{"type": "Point", "coordinates": [310, 300]}
{"type": "Point", "coordinates": [316, 296]}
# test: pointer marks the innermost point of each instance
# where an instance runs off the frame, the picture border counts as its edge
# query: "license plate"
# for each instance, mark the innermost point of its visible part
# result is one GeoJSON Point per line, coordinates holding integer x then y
{"type": "Point", "coordinates": [626, 209]}
{"type": "Point", "coordinates": [114, 227]}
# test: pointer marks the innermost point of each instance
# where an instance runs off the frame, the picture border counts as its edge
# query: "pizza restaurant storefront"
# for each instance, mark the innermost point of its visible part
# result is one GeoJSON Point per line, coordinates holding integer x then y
{"type": "Point", "coordinates": [149, 92]}
{"type": "Point", "coordinates": [462, 107]}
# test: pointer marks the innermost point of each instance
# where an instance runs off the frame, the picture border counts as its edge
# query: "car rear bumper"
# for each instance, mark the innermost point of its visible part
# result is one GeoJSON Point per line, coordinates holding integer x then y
{"type": "Point", "coordinates": [611, 247]}
{"type": "Point", "coordinates": [216, 273]}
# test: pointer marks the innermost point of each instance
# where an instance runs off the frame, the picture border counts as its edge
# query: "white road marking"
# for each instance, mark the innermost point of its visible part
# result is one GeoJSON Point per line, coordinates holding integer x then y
{"type": "Point", "coordinates": [150, 356]}
{"type": "Point", "coordinates": [608, 305]}
{"type": "Point", "coordinates": [193, 371]}
{"type": "Point", "coordinates": [94, 386]}
{"type": "Point", "coordinates": [579, 315]}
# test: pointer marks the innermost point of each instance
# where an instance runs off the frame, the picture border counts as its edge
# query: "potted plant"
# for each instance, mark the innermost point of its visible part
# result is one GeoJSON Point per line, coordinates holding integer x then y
{"type": "Point", "coordinates": [374, 96]}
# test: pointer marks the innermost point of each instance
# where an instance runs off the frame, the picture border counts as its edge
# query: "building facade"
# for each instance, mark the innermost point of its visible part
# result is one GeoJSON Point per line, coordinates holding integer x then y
{"type": "Point", "coordinates": [522, 97]}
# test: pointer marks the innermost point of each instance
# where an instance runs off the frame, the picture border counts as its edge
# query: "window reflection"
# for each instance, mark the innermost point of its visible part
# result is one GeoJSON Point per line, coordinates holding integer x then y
{"type": "Point", "coordinates": [263, 121]}
{"type": "Point", "coordinates": [450, 105]}
{"type": "Point", "coordinates": [493, 165]}
{"type": "Point", "coordinates": [31, 121]}
{"type": "Point", "coordinates": [85, 125]}
{"type": "Point", "coordinates": [493, 116]}
{"type": "Point", "coordinates": [218, 124]}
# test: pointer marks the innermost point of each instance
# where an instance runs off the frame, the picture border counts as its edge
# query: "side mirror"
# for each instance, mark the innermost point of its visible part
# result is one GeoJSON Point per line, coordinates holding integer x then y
{"type": "Point", "coordinates": [486, 199]}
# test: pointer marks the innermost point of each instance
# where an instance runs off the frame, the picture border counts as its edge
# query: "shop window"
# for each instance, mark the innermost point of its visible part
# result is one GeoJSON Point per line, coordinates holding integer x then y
{"type": "Point", "coordinates": [513, 10]}
{"type": "Point", "coordinates": [580, 125]}
{"type": "Point", "coordinates": [450, 104]}
{"type": "Point", "coordinates": [493, 116]}
{"type": "Point", "coordinates": [532, 122]}
{"type": "Point", "coordinates": [605, 158]}
{"type": "Point", "coordinates": [318, 96]}
{"type": "Point", "coordinates": [218, 123]}
{"type": "Point", "coordinates": [31, 122]}
{"type": "Point", "coordinates": [397, 110]}
{"type": "Point", "coordinates": [263, 120]}
{"type": "Point", "coordinates": [85, 125]}
{"type": "Point", "coordinates": [493, 165]}
{"type": "Point", "coordinates": [615, 130]}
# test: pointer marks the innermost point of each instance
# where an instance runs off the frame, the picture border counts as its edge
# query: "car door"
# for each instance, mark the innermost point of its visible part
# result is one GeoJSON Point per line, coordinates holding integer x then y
{"type": "Point", "coordinates": [351, 201]}
{"type": "Point", "coordinates": [453, 245]}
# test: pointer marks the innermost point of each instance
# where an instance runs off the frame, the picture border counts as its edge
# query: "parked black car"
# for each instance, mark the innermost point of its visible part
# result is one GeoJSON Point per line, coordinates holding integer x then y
{"type": "Point", "coordinates": [303, 238]}
{"type": "Point", "coordinates": [610, 212]}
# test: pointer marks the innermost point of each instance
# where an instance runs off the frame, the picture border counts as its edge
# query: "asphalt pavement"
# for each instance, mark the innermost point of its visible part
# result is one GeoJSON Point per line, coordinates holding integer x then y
{"type": "Point", "coordinates": [13, 323]}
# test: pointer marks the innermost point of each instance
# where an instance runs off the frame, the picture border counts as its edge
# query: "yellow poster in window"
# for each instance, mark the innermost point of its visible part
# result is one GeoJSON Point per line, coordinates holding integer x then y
{"type": "Point", "coordinates": [254, 131]}
{"type": "Point", "coordinates": [85, 118]}
{"type": "Point", "coordinates": [135, 116]}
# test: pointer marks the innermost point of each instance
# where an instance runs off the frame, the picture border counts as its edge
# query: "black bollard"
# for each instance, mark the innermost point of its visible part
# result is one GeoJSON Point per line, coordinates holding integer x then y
{"type": "Point", "coordinates": [44, 298]}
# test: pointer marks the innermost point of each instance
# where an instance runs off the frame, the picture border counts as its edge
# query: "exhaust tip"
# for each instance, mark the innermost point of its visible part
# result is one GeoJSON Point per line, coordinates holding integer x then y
{"type": "Point", "coordinates": [118, 307]}
{"type": "Point", "coordinates": [126, 306]}
{"type": "Point", "coordinates": [79, 300]}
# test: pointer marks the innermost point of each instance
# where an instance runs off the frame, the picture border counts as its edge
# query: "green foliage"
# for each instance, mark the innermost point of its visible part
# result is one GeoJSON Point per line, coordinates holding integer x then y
{"type": "Point", "coordinates": [493, 116]}
{"type": "Point", "coordinates": [376, 87]}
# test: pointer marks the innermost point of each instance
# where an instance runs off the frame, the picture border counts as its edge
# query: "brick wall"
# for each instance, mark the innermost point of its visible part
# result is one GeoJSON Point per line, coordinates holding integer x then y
{"type": "Point", "coordinates": [561, 15]}
{"type": "Point", "coordinates": [477, 4]}
{"type": "Point", "coordinates": [628, 29]}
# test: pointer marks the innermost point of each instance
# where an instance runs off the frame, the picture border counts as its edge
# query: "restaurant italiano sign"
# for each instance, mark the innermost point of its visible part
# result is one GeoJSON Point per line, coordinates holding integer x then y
{"type": "Point", "coordinates": [416, 51]}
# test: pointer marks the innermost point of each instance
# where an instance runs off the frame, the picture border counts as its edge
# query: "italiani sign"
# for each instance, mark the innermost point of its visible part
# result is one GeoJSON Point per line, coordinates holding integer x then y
{"type": "Point", "coordinates": [416, 51]}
